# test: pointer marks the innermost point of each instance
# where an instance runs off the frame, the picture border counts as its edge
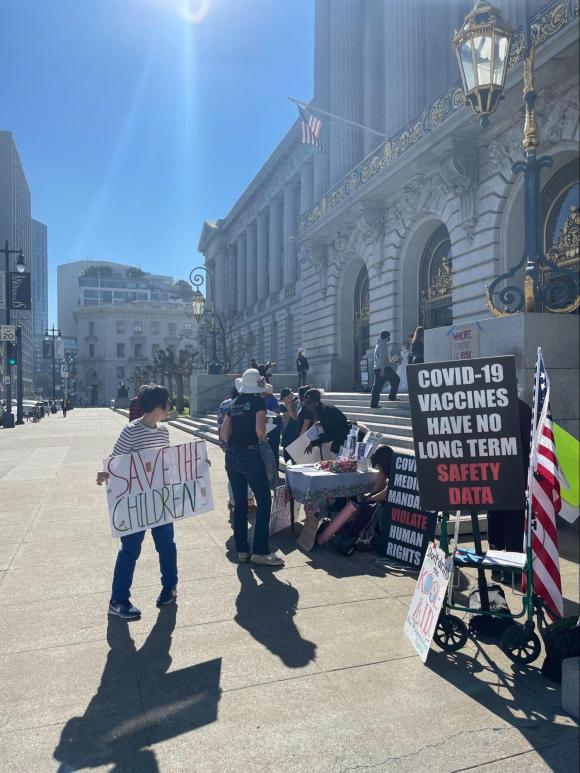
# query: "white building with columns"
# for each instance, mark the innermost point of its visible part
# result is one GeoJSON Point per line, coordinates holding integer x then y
{"type": "Point", "coordinates": [326, 248]}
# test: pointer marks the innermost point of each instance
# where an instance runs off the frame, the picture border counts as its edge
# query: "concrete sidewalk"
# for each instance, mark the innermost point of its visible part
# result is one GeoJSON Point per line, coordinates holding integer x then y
{"type": "Point", "coordinates": [304, 669]}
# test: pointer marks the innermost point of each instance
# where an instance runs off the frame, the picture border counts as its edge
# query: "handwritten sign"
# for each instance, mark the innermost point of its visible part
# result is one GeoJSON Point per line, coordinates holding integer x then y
{"type": "Point", "coordinates": [427, 600]}
{"type": "Point", "coordinates": [280, 516]}
{"type": "Point", "coordinates": [407, 529]}
{"type": "Point", "coordinates": [156, 486]}
{"type": "Point", "coordinates": [465, 342]}
{"type": "Point", "coordinates": [466, 434]}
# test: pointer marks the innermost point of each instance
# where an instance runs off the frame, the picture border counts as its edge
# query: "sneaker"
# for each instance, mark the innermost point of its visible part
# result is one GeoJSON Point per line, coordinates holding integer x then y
{"type": "Point", "coordinates": [243, 558]}
{"type": "Point", "coordinates": [124, 609]}
{"type": "Point", "coordinates": [393, 399]}
{"type": "Point", "coordinates": [267, 559]}
{"type": "Point", "coordinates": [167, 596]}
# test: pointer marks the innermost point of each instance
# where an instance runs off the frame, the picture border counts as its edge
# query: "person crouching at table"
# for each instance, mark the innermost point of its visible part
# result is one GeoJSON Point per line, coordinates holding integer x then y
{"type": "Point", "coordinates": [243, 430]}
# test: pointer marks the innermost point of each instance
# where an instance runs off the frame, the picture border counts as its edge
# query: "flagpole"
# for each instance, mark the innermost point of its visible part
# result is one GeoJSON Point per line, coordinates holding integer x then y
{"type": "Point", "coordinates": [338, 118]}
{"type": "Point", "coordinates": [529, 557]}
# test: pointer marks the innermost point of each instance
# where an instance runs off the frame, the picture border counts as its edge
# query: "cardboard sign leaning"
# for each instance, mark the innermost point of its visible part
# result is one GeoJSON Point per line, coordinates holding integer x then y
{"type": "Point", "coordinates": [428, 599]}
{"type": "Point", "coordinates": [156, 486]}
{"type": "Point", "coordinates": [280, 516]}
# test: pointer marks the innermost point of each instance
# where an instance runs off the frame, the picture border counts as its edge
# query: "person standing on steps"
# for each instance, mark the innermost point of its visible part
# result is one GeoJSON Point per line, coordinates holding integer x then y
{"type": "Point", "coordinates": [64, 407]}
{"type": "Point", "coordinates": [418, 347]}
{"type": "Point", "coordinates": [135, 436]}
{"type": "Point", "coordinates": [383, 370]}
{"type": "Point", "coordinates": [302, 367]}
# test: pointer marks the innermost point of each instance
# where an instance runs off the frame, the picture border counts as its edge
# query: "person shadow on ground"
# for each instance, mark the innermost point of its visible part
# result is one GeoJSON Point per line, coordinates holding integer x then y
{"type": "Point", "coordinates": [266, 609]}
{"type": "Point", "coordinates": [138, 703]}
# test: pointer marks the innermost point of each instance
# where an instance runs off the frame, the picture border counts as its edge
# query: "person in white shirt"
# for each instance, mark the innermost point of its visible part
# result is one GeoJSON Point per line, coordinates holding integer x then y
{"type": "Point", "coordinates": [383, 370]}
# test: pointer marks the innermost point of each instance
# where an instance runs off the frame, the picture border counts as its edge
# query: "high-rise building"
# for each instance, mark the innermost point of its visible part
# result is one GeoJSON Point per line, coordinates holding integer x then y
{"type": "Point", "coordinates": [39, 270]}
{"type": "Point", "coordinates": [15, 228]}
{"type": "Point", "coordinates": [120, 317]}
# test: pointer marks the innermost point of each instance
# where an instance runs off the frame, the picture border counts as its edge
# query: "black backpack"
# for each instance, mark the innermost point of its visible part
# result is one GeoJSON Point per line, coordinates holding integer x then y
{"type": "Point", "coordinates": [486, 625]}
{"type": "Point", "coordinates": [357, 533]}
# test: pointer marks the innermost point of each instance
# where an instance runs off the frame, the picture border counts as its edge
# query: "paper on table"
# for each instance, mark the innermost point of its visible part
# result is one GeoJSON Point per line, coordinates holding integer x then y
{"type": "Point", "coordinates": [505, 558]}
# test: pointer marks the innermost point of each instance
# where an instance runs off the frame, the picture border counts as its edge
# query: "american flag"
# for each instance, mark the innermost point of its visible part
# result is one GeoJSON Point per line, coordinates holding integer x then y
{"type": "Point", "coordinates": [544, 491]}
{"type": "Point", "coordinates": [310, 126]}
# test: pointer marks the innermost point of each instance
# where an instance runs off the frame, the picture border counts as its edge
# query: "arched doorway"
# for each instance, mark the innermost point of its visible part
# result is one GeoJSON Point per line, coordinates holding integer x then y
{"type": "Point", "coordinates": [361, 321]}
{"type": "Point", "coordinates": [436, 282]}
{"type": "Point", "coordinates": [561, 234]}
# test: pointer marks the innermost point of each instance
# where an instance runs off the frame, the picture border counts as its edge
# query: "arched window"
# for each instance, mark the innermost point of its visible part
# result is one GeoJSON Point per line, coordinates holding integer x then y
{"type": "Point", "coordinates": [361, 321]}
{"type": "Point", "coordinates": [436, 282]}
{"type": "Point", "coordinates": [561, 217]}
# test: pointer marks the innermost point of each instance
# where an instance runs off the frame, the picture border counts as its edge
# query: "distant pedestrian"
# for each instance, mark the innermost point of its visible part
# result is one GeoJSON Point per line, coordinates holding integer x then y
{"type": "Point", "coordinates": [64, 407]}
{"type": "Point", "coordinates": [139, 434]}
{"type": "Point", "coordinates": [302, 367]}
{"type": "Point", "coordinates": [135, 410]}
{"type": "Point", "coordinates": [418, 346]}
{"type": "Point", "coordinates": [383, 369]}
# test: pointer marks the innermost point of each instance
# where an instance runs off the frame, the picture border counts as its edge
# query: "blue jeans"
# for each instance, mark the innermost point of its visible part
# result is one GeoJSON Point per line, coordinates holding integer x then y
{"type": "Point", "coordinates": [129, 553]}
{"type": "Point", "coordinates": [245, 467]}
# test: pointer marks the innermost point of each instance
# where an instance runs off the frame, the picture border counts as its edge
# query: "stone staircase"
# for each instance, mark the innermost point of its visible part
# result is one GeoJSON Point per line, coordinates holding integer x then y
{"type": "Point", "coordinates": [392, 419]}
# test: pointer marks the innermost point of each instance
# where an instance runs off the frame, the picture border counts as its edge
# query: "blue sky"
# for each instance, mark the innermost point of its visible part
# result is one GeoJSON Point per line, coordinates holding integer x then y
{"type": "Point", "coordinates": [137, 119]}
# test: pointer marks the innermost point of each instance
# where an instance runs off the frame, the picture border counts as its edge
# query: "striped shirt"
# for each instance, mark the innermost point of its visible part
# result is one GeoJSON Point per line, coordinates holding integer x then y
{"type": "Point", "coordinates": [136, 436]}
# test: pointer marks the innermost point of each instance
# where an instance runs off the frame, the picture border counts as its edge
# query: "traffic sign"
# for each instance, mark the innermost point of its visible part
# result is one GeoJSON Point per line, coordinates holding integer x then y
{"type": "Point", "coordinates": [7, 332]}
{"type": "Point", "coordinates": [6, 380]}
{"type": "Point", "coordinates": [64, 370]}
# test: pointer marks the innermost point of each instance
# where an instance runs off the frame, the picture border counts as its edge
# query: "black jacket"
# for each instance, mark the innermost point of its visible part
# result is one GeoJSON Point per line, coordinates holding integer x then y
{"type": "Point", "coordinates": [302, 364]}
{"type": "Point", "coordinates": [335, 427]}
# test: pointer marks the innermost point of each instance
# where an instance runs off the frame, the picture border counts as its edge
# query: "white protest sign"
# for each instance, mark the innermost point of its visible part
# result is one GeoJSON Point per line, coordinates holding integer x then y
{"type": "Point", "coordinates": [428, 599]}
{"type": "Point", "coordinates": [156, 486]}
{"type": "Point", "coordinates": [297, 451]}
{"type": "Point", "coordinates": [280, 517]}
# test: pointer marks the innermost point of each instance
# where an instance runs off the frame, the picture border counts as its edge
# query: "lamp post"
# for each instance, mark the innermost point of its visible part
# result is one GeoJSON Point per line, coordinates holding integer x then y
{"type": "Point", "coordinates": [200, 307]}
{"type": "Point", "coordinates": [482, 47]}
{"type": "Point", "coordinates": [52, 337]}
{"type": "Point", "coordinates": [8, 418]}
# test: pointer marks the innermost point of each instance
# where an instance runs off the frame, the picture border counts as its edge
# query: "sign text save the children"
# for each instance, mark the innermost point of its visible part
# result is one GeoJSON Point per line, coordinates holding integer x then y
{"type": "Point", "coordinates": [155, 486]}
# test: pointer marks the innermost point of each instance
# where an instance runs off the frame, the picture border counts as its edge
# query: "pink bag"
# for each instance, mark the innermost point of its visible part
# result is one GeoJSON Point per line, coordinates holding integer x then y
{"type": "Point", "coordinates": [347, 512]}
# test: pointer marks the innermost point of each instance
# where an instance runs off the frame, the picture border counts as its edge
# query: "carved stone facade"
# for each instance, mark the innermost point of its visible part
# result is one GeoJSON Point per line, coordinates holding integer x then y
{"type": "Point", "coordinates": [364, 205]}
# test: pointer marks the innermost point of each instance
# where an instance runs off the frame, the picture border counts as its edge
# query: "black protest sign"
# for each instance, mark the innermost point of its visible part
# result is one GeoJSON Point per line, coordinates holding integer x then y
{"type": "Point", "coordinates": [467, 435]}
{"type": "Point", "coordinates": [407, 529]}
{"type": "Point", "coordinates": [20, 291]}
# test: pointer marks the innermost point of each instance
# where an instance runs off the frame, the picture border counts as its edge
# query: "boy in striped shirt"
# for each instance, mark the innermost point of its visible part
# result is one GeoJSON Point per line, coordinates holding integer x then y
{"type": "Point", "coordinates": [135, 436]}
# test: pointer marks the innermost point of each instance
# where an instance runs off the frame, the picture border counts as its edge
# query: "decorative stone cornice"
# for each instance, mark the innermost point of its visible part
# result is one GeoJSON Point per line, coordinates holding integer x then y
{"type": "Point", "coordinates": [315, 254]}
{"type": "Point", "coordinates": [459, 170]}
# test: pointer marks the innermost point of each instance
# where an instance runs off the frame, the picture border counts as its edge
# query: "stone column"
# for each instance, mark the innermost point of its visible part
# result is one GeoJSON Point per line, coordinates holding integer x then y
{"type": "Point", "coordinates": [290, 228]}
{"type": "Point", "coordinates": [275, 267]}
{"type": "Point", "coordinates": [242, 269]}
{"type": "Point", "coordinates": [231, 278]}
{"type": "Point", "coordinates": [404, 62]}
{"type": "Point", "coordinates": [262, 253]}
{"type": "Point", "coordinates": [306, 187]}
{"type": "Point", "coordinates": [321, 92]}
{"type": "Point", "coordinates": [345, 85]}
{"type": "Point", "coordinates": [373, 74]}
{"type": "Point", "coordinates": [251, 267]}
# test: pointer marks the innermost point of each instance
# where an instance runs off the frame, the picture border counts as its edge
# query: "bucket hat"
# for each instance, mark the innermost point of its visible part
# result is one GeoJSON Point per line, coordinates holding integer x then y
{"type": "Point", "coordinates": [252, 383]}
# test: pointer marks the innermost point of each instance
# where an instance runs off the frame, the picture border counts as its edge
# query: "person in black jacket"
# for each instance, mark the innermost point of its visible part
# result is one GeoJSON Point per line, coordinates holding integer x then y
{"type": "Point", "coordinates": [302, 367]}
{"type": "Point", "coordinates": [335, 425]}
{"type": "Point", "coordinates": [418, 346]}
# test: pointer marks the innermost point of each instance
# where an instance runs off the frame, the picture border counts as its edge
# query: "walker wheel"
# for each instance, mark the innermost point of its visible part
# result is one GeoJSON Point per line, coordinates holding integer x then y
{"type": "Point", "coordinates": [520, 645]}
{"type": "Point", "coordinates": [450, 633]}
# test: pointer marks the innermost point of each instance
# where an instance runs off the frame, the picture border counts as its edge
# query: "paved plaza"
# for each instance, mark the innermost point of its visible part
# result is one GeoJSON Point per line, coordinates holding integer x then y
{"type": "Point", "coordinates": [303, 669]}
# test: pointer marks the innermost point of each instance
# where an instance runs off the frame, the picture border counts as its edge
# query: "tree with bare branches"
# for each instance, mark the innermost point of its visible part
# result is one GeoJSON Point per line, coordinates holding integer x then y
{"type": "Point", "coordinates": [232, 346]}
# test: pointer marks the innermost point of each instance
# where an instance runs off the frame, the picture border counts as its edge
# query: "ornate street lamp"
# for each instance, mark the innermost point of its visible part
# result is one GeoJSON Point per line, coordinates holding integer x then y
{"type": "Point", "coordinates": [482, 47]}
{"type": "Point", "coordinates": [199, 306]}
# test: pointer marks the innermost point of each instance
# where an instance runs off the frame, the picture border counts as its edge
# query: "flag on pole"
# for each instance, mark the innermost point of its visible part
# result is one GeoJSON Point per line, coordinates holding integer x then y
{"type": "Point", "coordinates": [544, 498]}
{"type": "Point", "coordinates": [310, 126]}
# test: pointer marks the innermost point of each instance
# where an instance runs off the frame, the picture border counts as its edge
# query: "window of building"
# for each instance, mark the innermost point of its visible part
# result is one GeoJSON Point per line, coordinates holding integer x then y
{"type": "Point", "coordinates": [120, 371]}
{"type": "Point", "coordinates": [436, 281]}
{"type": "Point", "coordinates": [188, 328]}
{"type": "Point", "coordinates": [91, 328]}
{"type": "Point", "coordinates": [138, 351]}
{"type": "Point", "coordinates": [120, 326]}
{"type": "Point", "coordinates": [154, 350]}
{"type": "Point", "coordinates": [172, 328]}
{"type": "Point", "coordinates": [137, 327]}
{"type": "Point", "coordinates": [120, 350]}
{"type": "Point", "coordinates": [155, 328]}
{"type": "Point", "coordinates": [91, 350]}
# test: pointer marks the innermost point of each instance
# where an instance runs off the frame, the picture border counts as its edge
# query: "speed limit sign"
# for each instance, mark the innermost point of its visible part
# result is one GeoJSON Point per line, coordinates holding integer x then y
{"type": "Point", "coordinates": [7, 332]}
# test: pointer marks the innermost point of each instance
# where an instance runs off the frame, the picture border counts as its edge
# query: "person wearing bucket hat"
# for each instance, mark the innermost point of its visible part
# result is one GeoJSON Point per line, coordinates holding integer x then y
{"type": "Point", "coordinates": [243, 430]}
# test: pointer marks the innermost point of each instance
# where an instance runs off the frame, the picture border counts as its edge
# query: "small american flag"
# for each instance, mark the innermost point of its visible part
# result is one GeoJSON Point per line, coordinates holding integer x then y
{"type": "Point", "coordinates": [310, 127]}
{"type": "Point", "coordinates": [545, 496]}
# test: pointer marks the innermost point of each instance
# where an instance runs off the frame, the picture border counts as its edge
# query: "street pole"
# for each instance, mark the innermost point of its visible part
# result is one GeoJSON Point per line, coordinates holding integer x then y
{"type": "Point", "coordinates": [53, 369]}
{"type": "Point", "coordinates": [8, 418]}
{"type": "Point", "coordinates": [19, 384]}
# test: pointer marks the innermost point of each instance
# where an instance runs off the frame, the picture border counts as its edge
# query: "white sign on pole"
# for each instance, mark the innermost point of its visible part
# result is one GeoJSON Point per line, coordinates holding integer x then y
{"type": "Point", "coordinates": [64, 370]}
{"type": "Point", "coordinates": [157, 486]}
{"type": "Point", "coordinates": [465, 341]}
{"type": "Point", "coordinates": [6, 380]}
{"type": "Point", "coordinates": [428, 599]}
{"type": "Point", "coordinates": [2, 289]}
{"type": "Point", "coordinates": [59, 350]}
{"type": "Point", "coordinates": [7, 332]}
